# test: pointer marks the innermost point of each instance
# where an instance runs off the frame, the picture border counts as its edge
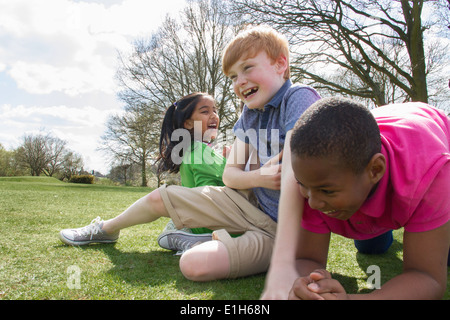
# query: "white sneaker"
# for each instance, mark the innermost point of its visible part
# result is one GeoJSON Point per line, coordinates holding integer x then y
{"type": "Point", "coordinates": [91, 233]}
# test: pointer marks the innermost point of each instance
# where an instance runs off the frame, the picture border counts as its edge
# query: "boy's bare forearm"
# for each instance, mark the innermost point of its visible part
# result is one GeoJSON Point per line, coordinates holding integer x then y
{"type": "Point", "coordinates": [413, 285]}
{"type": "Point", "coordinates": [237, 178]}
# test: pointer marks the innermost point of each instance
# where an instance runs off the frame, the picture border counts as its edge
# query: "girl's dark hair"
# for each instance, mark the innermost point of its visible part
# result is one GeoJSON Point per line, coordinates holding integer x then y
{"type": "Point", "coordinates": [337, 128]}
{"type": "Point", "coordinates": [174, 119]}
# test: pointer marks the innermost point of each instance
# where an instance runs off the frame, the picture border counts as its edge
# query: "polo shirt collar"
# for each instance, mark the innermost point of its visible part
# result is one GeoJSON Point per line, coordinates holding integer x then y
{"type": "Point", "coordinates": [275, 102]}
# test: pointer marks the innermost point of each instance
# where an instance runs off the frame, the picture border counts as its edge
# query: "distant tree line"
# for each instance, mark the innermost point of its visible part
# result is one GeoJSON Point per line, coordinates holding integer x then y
{"type": "Point", "coordinates": [41, 154]}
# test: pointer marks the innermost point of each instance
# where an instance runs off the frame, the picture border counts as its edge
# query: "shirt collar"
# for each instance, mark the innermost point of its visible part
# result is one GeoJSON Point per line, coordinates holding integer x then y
{"type": "Point", "coordinates": [275, 102]}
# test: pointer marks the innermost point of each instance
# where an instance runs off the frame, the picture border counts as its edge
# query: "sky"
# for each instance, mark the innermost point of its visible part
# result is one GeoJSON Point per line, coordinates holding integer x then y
{"type": "Point", "coordinates": [58, 60]}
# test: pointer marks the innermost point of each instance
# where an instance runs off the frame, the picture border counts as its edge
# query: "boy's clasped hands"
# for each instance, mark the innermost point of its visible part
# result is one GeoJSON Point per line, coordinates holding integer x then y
{"type": "Point", "coordinates": [319, 285]}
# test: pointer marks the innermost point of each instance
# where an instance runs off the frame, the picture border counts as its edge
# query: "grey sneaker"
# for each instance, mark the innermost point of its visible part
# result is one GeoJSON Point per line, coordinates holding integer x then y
{"type": "Point", "coordinates": [181, 241]}
{"type": "Point", "coordinates": [92, 233]}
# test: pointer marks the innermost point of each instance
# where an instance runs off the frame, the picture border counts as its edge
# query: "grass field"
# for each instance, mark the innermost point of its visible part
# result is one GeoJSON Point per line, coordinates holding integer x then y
{"type": "Point", "coordinates": [34, 264]}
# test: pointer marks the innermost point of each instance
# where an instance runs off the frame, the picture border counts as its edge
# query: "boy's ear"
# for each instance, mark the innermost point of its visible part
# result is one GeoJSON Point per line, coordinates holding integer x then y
{"type": "Point", "coordinates": [281, 63]}
{"type": "Point", "coordinates": [377, 167]}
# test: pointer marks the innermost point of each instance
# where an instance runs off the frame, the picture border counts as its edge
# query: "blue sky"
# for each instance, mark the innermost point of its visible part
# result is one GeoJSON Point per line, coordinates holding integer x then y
{"type": "Point", "coordinates": [58, 59]}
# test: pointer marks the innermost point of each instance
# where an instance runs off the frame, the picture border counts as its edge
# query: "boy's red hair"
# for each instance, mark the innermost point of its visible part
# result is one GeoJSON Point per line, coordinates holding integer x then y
{"type": "Point", "coordinates": [251, 41]}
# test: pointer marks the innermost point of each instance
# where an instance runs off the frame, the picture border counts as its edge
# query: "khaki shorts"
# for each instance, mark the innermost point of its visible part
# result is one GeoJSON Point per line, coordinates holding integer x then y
{"type": "Point", "coordinates": [226, 211]}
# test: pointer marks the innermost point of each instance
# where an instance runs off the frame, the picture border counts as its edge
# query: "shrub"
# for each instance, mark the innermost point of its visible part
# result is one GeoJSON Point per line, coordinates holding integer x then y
{"type": "Point", "coordinates": [84, 178]}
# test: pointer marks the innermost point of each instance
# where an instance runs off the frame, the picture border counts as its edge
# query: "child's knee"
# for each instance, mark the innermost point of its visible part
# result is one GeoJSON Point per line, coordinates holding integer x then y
{"type": "Point", "coordinates": [154, 199]}
{"type": "Point", "coordinates": [154, 196]}
{"type": "Point", "coordinates": [191, 268]}
{"type": "Point", "coordinates": [205, 262]}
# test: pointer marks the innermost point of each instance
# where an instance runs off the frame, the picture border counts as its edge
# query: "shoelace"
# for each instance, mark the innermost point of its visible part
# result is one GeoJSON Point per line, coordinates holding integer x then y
{"type": "Point", "coordinates": [92, 229]}
{"type": "Point", "coordinates": [182, 245]}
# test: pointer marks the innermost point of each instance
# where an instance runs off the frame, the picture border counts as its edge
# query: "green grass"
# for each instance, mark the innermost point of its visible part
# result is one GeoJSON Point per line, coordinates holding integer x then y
{"type": "Point", "coordinates": [34, 264]}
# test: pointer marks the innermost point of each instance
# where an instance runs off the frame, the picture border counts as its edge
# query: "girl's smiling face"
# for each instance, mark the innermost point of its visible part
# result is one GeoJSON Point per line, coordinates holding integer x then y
{"type": "Point", "coordinates": [205, 112]}
{"type": "Point", "coordinates": [332, 189]}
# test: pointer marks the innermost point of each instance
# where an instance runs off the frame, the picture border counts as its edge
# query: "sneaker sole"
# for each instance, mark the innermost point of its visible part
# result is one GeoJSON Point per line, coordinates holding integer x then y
{"type": "Point", "coordinates": [82, 243]}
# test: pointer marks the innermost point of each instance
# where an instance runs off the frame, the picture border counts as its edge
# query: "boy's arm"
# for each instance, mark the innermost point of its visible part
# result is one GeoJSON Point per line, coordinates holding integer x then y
{"type": "Point", "coordinates": [288, 242]}
{"type": "Point", "coordinates": [424, 267]}
{"type": "Point", "coordinates": [424, 272]}
{"type": "Point", "coordinates": [282, 271]}
{"type": "Point", "coordinates": [235, 176]}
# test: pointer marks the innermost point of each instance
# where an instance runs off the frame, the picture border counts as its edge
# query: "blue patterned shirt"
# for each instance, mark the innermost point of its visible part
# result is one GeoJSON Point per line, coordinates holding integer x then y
{"type": "Point", "coordinates": [266, 131]}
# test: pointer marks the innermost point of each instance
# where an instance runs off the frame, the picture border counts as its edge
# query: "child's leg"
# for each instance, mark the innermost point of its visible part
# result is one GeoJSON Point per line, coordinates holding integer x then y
{"type": "Point", "coordinates": [227, 257]}
{"type": "Point", "coordinates": [205, 262]}
{"type": "Point", "coordinates": [375, 245]}
{"type": "Point", "coordinates": [147, 209]}
{"type": "Point", "coordinates": [221, 208]}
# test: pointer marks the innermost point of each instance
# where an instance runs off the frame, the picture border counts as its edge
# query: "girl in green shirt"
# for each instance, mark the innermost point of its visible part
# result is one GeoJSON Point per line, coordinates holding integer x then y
{"type": "Point", "coordinates": [193, 118]}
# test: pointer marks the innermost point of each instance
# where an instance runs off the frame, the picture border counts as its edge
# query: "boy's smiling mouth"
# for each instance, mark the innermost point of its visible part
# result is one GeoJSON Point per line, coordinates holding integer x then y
{"type": "Point", "coordinates": [247, 93]}
{"type": "Point", "coordinates": [331, 213]}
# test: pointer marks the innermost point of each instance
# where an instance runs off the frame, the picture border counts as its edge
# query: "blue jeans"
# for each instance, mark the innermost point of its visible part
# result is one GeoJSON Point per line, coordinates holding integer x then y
{"type": "Point", "coordinates": [375, 245]}
{"type": "Point", "coordinates": [379, 245]}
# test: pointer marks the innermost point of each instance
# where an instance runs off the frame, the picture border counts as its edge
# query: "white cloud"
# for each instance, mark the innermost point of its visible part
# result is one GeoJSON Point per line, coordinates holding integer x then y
{"type": "Point", "coordinates": [40, 78]}
{"type": "Point", "coordinates": [43, 78]}
{"type": "Point", "coordinates": [86, 116]}
{"type": "Point", "coordinates": [84, 36]}
{"type": "Point", "coordinates": [131, 17]}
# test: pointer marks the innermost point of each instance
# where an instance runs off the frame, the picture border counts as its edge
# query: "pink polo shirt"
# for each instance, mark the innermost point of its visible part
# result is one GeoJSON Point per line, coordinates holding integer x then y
{"type": "Point", "coordinates": [414, 193]}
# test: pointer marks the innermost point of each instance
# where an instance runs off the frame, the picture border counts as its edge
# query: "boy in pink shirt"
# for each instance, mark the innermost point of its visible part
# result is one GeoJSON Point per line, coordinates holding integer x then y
{"type": "Point", "coordinates": [363, 174]}
{"type": "Point", "coordinates": [415, 145]}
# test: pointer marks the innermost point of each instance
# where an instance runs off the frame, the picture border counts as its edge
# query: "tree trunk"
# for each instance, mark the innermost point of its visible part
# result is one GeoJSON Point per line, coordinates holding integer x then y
{"type": "Point", "coordinates": [416, 49]}
{"type": "Point", "coordinates": [144, 173]}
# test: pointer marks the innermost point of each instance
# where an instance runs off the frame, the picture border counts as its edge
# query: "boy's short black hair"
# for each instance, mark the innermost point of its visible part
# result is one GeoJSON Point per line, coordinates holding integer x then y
{"type": "Point", "coordinates": [339, 128]}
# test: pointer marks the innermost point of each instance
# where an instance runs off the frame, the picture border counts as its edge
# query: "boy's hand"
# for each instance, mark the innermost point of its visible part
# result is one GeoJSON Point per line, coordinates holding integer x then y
{"type": "Point", "coordinates": [271, 173]}
{"type": "Point", "coordinates": [317, 286]}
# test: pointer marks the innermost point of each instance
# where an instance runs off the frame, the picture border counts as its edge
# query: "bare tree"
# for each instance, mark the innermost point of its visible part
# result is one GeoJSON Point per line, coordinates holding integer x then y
{"type": "Point", "coordinates": [8, 163]}
{"type": "Point", "coordinates": [47, 154]}
{"type": "Point", "coordinates": [372, 49]}
{"type": "Point", "coordinates": [56, 149]}
{"type": "Point", "coordinates": [121, 173]}
{"type": "Point", "coordinates": [182, 57]}
{"type": "Point", "coordinates": [72, 163]}
{"type": "Point", "coordinates": [132, 138]}
{"type": "Point", "coordinates": [34, 154]}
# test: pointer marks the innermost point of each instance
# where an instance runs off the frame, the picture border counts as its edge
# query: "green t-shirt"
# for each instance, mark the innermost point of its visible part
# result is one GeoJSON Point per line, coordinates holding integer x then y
{"type": "Point", "coordinates": [202, 166]}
